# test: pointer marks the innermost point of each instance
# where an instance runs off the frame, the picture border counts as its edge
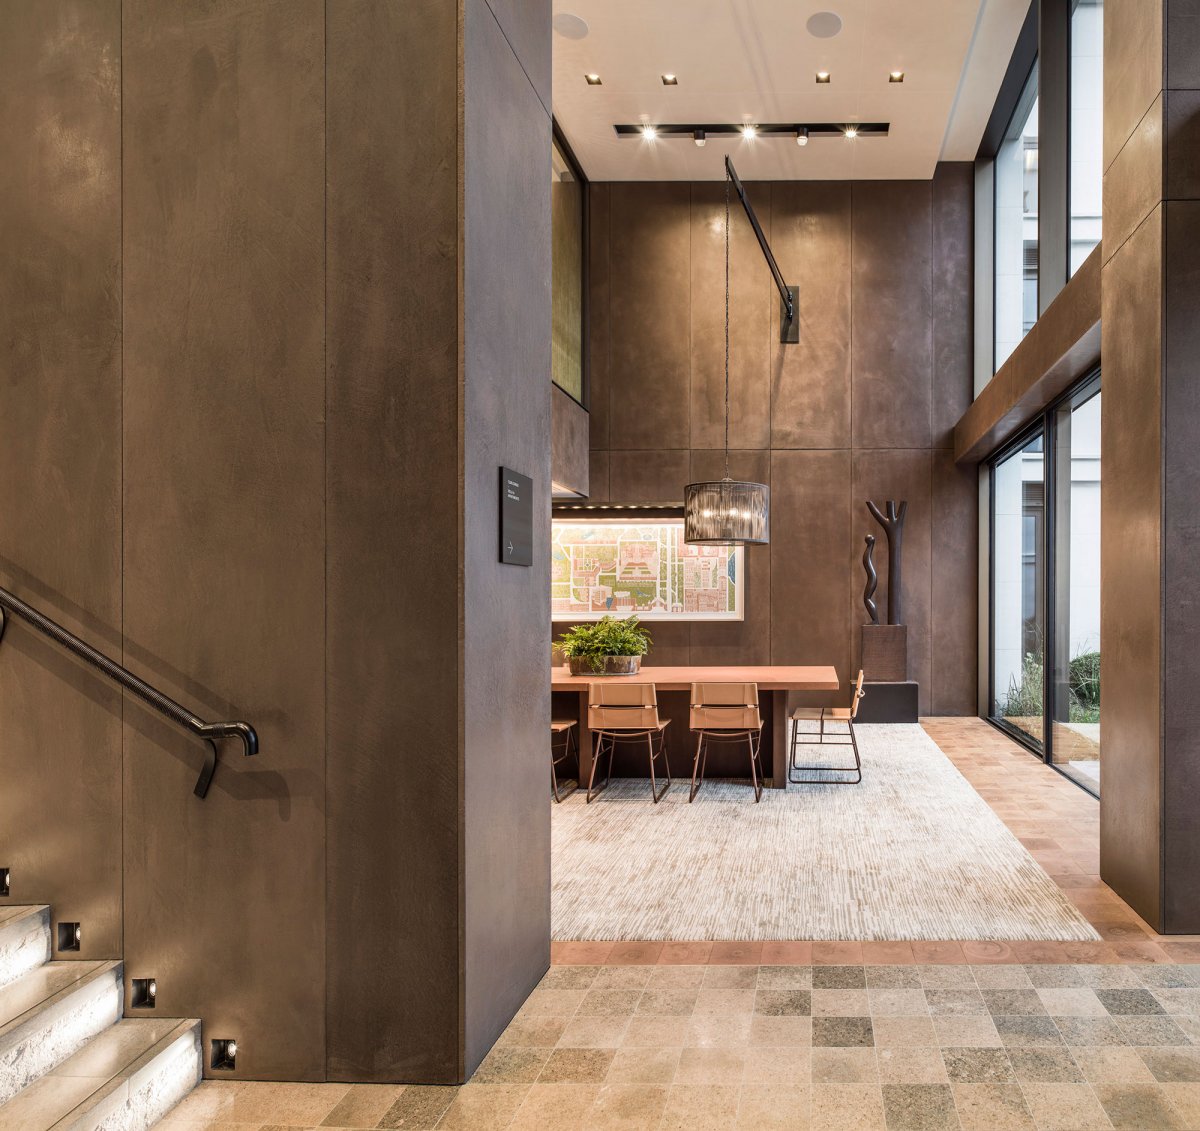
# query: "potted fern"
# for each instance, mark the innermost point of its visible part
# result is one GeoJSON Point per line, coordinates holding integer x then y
{"type": "Point", "coordinates": [606, 647]}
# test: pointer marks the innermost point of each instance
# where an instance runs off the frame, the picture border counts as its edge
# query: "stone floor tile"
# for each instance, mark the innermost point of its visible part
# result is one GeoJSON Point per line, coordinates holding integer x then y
{"type": "Point", "coordinates": [911, 1066]}
{"type": "Point", "coordinates": [1054, 976]}
{"type": "Point", "coordinates": [897, 1003]}
{"type": "Point", "coordinates": [837, 954]}
{"type": "Point", "coordinates": [1079, 1001]}
{"type": "Point", "coordinates": [710, 1066]}
{"type": "Point", "coordinates": [1009, 977]}
{"type": "Point", "coordinates": [1165, 977]}
{"type": "Point", "coordinates": [1065, 1107]}
{"type": "Point", "coordinates": [655, 1032]}
{"type": "Point", "coordinates": [961, 1002]}
{"type": "Point", "coordinates": [634, 953]}
{"type": "Point", "coordinates": [418, 1107]}
{"type": "Point", "coordinates": [785, 977]}
{"type": "Point", "coordinates": [770, 1064]}
{"type": "Point", "coordinates": [939, 953]}
{"type": "Point", "coordinates": [790, 1031]}
{"type": "Point", "coordinates": [608, 1003]}
{"type": "Point", "coordinates": [579, 953]}
{"type": "Point", "coordinates": [887, 954]}
{"type": "Point", "coordinates": [364, 1105]}
{"type": "Point", "coordinates": [629, 1107]}
{"type": "Point", "coordinates": [483, 1105]}
{"type": "Point", "coordinates": [736, 953]}
{"type": "Point", "coordinates": [1144, 1107]}
{"type": "Point", "coordinates": [1152, 1031]}
{"type": "Point", "coordinates": [620, 977]}
{"type": "Point", "coordinates": [719, 1031]}
{"type": "Point", "coordinates": [1185, 1098]}
{"type": "Point", "coordinates": [1130, 1003]}
{"type": "Point", "coordinates": [839, 978]}
{"type": "Point", "coordinates": [967, 1031]}
{"type": "Point", "coordinates": [1178, 1001]}
{"type": "Point", "coordinates": [510, 1064]}
{"type": "Point", "coordinates": [701, 1107]}
{"type": "Point", "coordinates": [569, 978]}
{"type": "Point", "coordinates": [724, 1003]}
{"type": "Point", "coordinates": [1091, 1031]}
{"type": "Point", "coordinates": [730, 978]}
{"type": "Point", "coordinates": [781, 1003]}
{"type": "Point", "coordinates": [978, 1066]}
{"type": "Point", "coordinates": [675, 1002]}
{"type": "Point", "coordinates": [1013, 1003]}
{"type": "Point", "coordinates": [1108, 977]}
{"type": "Point", "coordinates": [593, 1032]}
{"type": "Point", "coordinates": [992, 1107]}
{"type": "Point", "coordinates": [1113, 1064]}
{"type": "Point", "coordinates": [919, 1107]}
{"type": "Point", "coordinates": [838, 1107]}
{"type": "Point", "coordinates": [950, 977]}
{"type": "Point", "coordinates": [1033, 1032]}
{"type": "Point", "coordinates": [765, 1106]}
{"type": "Point", "coordinates": [644, 1065]}
{"type": "Point", "coordinates": [786, 954]}
{"type": "Point", "coordinates": [302, 1105]}
{"type": "Point", "coordinates": [551, 1003]}
{"type": "Point", "coordinates": [1173, 1065]}
{"type": "Point", "coordinates": [672, 977]}
{"type": "Point", "coordinates": [840, 1003]}
{"type": "Point", "coordinates": [684, 953]}
{"type": "Point", "coordinates": [533, 1032]}
{"type": "Point", "coordinates": [842, 1032]}
{"type": "Point", "coordinates": [893, 977]}
{"type": "Point", "coordinates": [554, 1107]}
{"type": "Point", "coordinates": [1045, 1066]}
{"type": "Point", "coordinates": [844, 1066]}
{"type": "Point", "coordinates": [576, 1066]}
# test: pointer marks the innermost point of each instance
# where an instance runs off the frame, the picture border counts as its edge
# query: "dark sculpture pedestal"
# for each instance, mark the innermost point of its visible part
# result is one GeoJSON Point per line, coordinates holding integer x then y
{"type": "Point", "coordinates": [885, 652]}
{"type": "Point", "coordinates": [893, 702]}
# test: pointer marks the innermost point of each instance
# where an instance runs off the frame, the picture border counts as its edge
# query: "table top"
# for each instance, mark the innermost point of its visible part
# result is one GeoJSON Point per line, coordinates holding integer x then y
{"type": "Point", "coordinates": [768, 678]}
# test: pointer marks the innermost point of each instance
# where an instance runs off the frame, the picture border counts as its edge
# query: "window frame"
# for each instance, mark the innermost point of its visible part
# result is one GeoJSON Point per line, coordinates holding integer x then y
{"type": "Point", "coordinates": [558, 138]}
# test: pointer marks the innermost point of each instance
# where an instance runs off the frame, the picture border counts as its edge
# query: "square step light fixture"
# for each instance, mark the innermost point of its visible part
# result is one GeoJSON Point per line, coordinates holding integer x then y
{"type": "Point", "coordinates": [224, 1054]}
{"type": "Point", "coordinates": [70, 936]}
{"type": "Point", "coordinates": [5, 882]}
{"type": "Point", "coordinates": [143, 993]}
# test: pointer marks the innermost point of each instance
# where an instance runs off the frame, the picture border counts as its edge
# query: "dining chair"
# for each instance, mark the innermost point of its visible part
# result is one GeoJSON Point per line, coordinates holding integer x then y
{"type": "Point", "coordinates": [822, 715]}
{"type": "Point", "coordinates": [726, 712]}
{"type": "Point", "coordinates": [564, 730]}
{"type": "Point", "coordinates": [626, 712]}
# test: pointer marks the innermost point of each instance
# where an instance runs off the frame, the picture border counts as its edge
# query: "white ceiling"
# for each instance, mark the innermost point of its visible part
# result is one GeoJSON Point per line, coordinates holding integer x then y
{"type": "Point", "coordinates": [754, 61]}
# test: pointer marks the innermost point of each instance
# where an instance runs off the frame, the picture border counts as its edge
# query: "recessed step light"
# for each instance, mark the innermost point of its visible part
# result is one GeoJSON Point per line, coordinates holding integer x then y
{"type": "Point", "coordinates": [70, 936]}
{"type": "Point", "coordinates": [824, 76]}
{"type": "Point", "coordinates": [224, 1054]}
{"type": "Point", "coordinates": [593, 80]}
{"type": "Point", "coordinates": [144, 993]}
{"type": "Point", "coordinates": [5, 881]}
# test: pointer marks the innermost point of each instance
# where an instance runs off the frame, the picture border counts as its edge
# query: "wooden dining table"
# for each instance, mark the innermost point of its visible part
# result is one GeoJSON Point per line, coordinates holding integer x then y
{"type": "Point", "coordinates": [774, 680]}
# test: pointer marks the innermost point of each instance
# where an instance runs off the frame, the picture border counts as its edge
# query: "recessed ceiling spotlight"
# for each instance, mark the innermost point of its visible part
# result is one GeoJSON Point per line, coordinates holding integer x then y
{"type": "Point", "coordinates": [570, 26]}
{"type": "Point", "coordinates": [593, 80]}
{"type": "Point", "coordinates": [699, 138]}
{"type": "Point", "coordinates": [802, 135]}
{"type": "Point", "coordinates": [670, 80]}
{"type": "Point", "coordinates": [749, 132]}
{"type": "Point", "coordinates": [824, 76]}
{"type": "Point", "coordinates": [851, 131]}
{"type": "Point", "coordinates": [649, 133]}
{"type": "Point", "coordinates": [824, 25]}
{"type": "Point", "coordinates": [896, 76]}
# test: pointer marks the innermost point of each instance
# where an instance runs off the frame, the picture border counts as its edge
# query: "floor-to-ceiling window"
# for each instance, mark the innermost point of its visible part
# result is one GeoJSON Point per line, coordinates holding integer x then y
{"type": "Point", "coordinates": [1086, 127]}
{"type": "Point", "coordinates": [1016, 226]}
{"type": "Point", "coordinates": [1045, 586]}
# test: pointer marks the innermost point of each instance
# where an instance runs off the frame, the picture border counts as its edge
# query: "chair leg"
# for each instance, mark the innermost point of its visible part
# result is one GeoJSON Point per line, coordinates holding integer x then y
{"type": "Point", "coordinates": [655, 793]}
{"type": "Point", "coordinates": [597, 755]}
{"type": "Point", "coordinates": [696, 769]}
{"type": "Point", "coordinates": [554, 771]}
{"type": "Point", "coordinates": [856, 769]}
{"type": "Point", "coordinates": [754, 768]}
{"type": "Point", "coordinates": [857, 759]}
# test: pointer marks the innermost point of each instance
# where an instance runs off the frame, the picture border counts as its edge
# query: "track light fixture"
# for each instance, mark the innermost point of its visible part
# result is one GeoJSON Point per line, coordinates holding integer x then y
{"type": "Point", "coordinates": [801, 135]}
{"type": "Point", "coordinates": [851, 131]}
{"type": "Point", "coordinates": [699, 138]}
{"type": "Point", "coordinates": [649, 133]}
{"type": "Point", "coordinates": [799, 132]}
{"type": "Point", "coordinates": [749, 132]}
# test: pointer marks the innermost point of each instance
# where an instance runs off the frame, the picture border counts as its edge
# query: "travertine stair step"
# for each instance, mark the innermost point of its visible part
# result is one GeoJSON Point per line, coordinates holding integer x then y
{"type": "Point", "coordinates": [24, 940]}
{"type": "Point", "coordinates": [48, 1014]}
{"type": "Point", "coordinates": [127, 1077]}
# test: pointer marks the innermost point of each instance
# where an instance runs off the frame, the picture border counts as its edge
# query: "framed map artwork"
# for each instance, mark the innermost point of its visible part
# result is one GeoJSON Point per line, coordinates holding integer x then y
{"type": "Point", "coordinates": [619, 567]}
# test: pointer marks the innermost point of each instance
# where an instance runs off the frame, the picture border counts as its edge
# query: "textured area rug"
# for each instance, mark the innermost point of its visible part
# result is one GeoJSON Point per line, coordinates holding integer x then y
{"type": "Point", "coordinates": [911, 853]}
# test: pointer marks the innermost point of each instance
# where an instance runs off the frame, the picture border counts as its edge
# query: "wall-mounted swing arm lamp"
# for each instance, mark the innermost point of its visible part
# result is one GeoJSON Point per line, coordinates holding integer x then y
{"type": "Point", "coordinates": [789, 319]}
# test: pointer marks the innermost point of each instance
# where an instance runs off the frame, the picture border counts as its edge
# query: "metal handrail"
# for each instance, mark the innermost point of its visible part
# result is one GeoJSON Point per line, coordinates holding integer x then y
{"type": "Point", "coordinates": [207, 732]}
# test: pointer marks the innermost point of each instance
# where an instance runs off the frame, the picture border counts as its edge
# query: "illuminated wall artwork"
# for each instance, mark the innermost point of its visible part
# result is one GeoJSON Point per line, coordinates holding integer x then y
{"type": "Point", "coordinates": [603, 566]}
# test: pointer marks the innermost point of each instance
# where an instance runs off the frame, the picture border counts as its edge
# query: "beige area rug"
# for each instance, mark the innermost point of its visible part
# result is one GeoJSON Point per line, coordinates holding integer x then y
{"type": "Point", "coordinates": [911, 853]}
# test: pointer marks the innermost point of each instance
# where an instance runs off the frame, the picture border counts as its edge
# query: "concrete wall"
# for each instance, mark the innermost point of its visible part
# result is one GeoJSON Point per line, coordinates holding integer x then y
{"type": "Point", "coordinates": [863, 407]}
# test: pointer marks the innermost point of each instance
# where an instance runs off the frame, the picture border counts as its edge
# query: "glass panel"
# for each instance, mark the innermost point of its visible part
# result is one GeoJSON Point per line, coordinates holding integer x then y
{"type": "Point", "coordinates": [566, 275]}
{"type": "Point", "coordinates": [1087, 126]}
{"type": "Point", "coordinates": [1016, 226]}
{"type": "Point", "coordinates": [1019, 590]}
{"type": "Point", "coordinates": [1076, 689]}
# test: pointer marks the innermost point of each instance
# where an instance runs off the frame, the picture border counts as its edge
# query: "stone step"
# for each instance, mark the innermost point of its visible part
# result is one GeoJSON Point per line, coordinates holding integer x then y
{"type": "Point", "coordinates": [124, 1079]}
{"type": "Point", "coordinates": [24, 940]}
{"type": "Point", "coordinates": [48, 1014]}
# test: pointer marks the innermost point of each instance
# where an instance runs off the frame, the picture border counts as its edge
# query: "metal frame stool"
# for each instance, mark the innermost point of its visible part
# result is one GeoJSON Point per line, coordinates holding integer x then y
{"type": "Point", "coordinates": [845, 715]}
{"type": "Point", "coordinates": [626, 712]}
{"type": "Point", "coordinates": [726, 712]}
{"type": "Point", "coordinates": [565, 727]}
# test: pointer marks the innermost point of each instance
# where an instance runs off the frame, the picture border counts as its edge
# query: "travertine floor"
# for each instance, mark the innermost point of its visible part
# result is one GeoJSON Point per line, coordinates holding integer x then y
{"type": "Point", "coordinates": [843, 1036]}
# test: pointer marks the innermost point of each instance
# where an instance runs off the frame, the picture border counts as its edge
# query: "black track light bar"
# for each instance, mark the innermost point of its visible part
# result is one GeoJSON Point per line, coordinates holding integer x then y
{"type": "Point", "coordinates": [789, 130]}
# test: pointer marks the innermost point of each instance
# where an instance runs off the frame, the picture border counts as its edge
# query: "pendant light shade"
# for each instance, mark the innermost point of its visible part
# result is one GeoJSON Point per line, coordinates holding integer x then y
{"type": "Point", "coordinates": [725, 512]}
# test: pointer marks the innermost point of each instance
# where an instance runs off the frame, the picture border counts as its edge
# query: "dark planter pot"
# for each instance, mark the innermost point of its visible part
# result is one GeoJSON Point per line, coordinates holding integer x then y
{"type": "Point", "coordinates": [611, 665]}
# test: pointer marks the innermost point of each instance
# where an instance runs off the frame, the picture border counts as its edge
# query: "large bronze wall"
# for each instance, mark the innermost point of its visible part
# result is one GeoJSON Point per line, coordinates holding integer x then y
{"type": "Point", "coordinates": [254, 395]}
{"type": "Point", "coordinates": [864, 406]}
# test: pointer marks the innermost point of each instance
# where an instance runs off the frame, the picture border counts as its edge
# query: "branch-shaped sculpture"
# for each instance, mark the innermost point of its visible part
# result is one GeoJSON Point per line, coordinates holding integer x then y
{"type": "Point", "coordinates": [893, 527]}
{"type": "Point", "coordinates": [872, 580]}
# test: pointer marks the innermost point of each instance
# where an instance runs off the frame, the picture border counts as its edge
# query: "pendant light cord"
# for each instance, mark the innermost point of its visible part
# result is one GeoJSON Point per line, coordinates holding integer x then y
{"type": "Point", "coordinates": [727, 184]}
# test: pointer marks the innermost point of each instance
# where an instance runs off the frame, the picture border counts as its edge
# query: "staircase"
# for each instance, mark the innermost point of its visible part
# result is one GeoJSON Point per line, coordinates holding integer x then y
{"type": "Point", "coordinates": [69, 1060]}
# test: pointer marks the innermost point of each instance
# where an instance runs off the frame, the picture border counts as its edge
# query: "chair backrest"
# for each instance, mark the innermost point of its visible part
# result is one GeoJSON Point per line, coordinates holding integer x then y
{"type": "Point", "coordinates": [622, 706]}
{"type": "Point", "coordinates": [725, 706]}
{"type": "Point", "coordinates": [858, 694]}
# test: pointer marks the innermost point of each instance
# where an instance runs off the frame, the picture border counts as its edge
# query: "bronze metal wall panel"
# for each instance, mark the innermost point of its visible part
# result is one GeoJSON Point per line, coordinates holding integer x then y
{"type": "Point", "coordinates": [953, 297]}
{"type": "Point", "coordinates": [597, 334]}
{"type": "Point", "coordinates": [1133, 67]}
{"type": "Point", "coordinates": [393, 915]}
{"type": "Point", "coordinates": [224, 399]}
{"type": "Point", "coordinates": [750, 313]}
{"type": "Point", "coordinates": [505, 820]}
{"type": "Point", "coordinates": [810, 236]}
{"type": "Point", "coordinates": [649, 315]}
{"type": "Point", "coordinates": [813, 232]}
{"type": "Point", "coordinates": [60, 402]}
{"type": "Point", "coordinates": [1133, 184]}
{"type": "Point", "coordinates": [891, 314]}
{"type": "Point", "coordinates": [568, 442]}
{"type": "Point", "coordinates": [1131, 566]}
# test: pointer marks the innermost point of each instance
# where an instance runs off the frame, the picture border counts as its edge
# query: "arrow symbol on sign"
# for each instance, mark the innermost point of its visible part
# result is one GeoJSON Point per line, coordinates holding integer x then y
{"type": "Point", "coordinates": [510, 549]}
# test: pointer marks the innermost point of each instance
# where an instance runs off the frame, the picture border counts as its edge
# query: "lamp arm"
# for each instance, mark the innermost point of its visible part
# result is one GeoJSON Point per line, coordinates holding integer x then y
{"type": "Point", "coordinates": [784, 293]}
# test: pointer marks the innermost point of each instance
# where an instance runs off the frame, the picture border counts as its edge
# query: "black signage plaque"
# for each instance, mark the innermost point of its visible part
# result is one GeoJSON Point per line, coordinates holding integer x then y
{"type": "Point", "coordinates": [516, 518]}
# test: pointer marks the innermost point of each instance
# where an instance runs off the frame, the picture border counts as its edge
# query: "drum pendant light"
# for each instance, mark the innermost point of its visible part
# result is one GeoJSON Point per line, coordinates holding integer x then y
{"type": "Point", "coordinates": [730, 511]}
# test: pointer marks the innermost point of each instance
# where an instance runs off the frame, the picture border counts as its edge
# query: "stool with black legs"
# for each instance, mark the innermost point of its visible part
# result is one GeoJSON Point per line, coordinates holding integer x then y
{"type": "Point", "coordinates": [561, 730]}
{"type": "Point", "coordinates": [726, 712]}
{"type": "Point", "coordinates": [626, 712]}
{"type": "Point", "coordinates": [824, 715]}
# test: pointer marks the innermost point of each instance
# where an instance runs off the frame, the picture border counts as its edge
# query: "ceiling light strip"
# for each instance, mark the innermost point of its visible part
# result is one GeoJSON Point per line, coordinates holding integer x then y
{"type": "Point", "coordinates": [788, 130]}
